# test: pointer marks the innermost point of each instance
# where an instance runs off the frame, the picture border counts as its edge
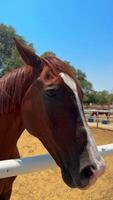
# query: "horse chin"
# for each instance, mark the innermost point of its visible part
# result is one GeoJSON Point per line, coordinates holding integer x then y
{"type": "Point", "coordinates": [72, 181]}
{"type": "Point", "coordinates": [68, 179]}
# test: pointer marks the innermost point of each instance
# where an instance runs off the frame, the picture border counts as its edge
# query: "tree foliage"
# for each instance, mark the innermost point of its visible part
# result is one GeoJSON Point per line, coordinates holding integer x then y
{"type": "Point", "coordinates": [81, 76]}
{"type": "Point", "coordinates": [100, 98]}
{"type": "Point", "coordinates": [9, 57]}
{"type": "Point", "coordinates": [6, 43]}
{"type": "Point", "coordinates": [86, 85]}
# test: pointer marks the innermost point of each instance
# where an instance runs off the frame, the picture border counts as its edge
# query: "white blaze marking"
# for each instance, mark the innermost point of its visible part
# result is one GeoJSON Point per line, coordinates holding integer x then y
{"type": "Point", "coordinates": [91, 143]}
{"type": "Point", "coordinates": [72, 85]}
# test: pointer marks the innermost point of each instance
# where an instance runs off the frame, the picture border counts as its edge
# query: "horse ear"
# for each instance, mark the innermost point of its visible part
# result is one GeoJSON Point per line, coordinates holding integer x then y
{"type": "Point", "coordinates": [27, 54]}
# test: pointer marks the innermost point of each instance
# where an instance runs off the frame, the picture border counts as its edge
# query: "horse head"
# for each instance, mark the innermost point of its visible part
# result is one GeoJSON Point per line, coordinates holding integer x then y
{"type": "Point", "coordinates": [52, 111]}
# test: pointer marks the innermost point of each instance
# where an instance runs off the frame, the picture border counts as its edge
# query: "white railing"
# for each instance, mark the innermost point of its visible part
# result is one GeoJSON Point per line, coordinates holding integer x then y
{"type": "Point", "coordinates": [19, 166]}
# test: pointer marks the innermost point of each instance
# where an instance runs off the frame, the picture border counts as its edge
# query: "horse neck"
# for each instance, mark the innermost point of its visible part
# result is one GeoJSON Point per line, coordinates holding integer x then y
{"type": "Point", "coordinates": [12, 89]}
{"type": "Point", "coordinates": [11, 128]}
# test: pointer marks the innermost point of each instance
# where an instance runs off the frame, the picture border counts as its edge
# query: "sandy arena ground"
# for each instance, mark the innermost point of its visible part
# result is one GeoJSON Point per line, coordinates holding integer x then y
{"type": "Point", "coordinates": [48, 185]}
{"type": "Point", "coordinates": [102, 126]}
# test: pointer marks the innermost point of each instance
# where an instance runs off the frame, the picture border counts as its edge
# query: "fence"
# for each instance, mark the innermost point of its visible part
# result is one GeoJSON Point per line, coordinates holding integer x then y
{"type": "Point", "coordinates": [19, 166]}
{"type": "Point", "coordinates": [99, 118]}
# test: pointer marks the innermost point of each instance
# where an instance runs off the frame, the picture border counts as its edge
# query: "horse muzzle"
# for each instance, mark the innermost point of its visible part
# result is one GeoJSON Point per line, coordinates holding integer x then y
{"type": "Point", "coordinates": [83, 177]}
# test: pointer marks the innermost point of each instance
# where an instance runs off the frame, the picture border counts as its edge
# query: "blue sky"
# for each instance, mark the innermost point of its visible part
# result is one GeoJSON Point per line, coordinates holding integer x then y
{"type": "Point", "coordinates": [76, 30]}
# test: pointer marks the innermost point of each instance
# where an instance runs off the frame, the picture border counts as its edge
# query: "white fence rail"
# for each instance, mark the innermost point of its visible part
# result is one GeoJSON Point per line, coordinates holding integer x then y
{"type": "Point", "coordinates": [98, 111]}
{"type": "Point", "coordinates": [19, 166]}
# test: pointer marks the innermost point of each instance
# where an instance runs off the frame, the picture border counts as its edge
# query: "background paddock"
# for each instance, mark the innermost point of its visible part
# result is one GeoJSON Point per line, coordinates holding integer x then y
{"type": "Point", "coordinates": [101, 121]}
{"type": "Point", "coordinates": [48, 185]}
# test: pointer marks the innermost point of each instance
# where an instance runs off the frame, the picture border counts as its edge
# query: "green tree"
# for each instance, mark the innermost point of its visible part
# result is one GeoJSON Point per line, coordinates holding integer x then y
{"type": "Point", "coordinates": [91, 98]}
{"type": "Point", "coordinates": [86, 85]}
{"type": "Point", "coordinates": [101, 97]}
{"type": "Point", "coordinates": [6, 42]}
{"type": "Point", "coordinates": [13, 62]}
{"type": "Point", "coordinates": [9, 57]}
{"type": "Point", "coordinates": [110, 98]}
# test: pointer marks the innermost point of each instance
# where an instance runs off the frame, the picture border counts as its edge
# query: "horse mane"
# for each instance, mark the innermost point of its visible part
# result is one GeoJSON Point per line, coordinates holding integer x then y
{"type": "Point", "coordinates": [12, 88]}
{"type": "Point", "coordinates": [14, 84]}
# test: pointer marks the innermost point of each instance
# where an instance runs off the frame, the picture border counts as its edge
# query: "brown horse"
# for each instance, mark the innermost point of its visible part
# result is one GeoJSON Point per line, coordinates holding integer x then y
{"type": "Point", "coordinates": [44, 98]}
{"type": "Point", "coordinates": [97, 113]}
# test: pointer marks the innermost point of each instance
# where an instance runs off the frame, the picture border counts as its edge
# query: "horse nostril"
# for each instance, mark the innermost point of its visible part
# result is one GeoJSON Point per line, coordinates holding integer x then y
{"type": "Point", "coordinates": [87, 172]}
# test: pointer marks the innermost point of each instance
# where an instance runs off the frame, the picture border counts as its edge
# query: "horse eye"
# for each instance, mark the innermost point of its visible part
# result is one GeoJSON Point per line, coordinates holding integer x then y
{"type": "Point", "coordinates": [51, 93]}
{"type": "Point", "coordinates": [51, 90]}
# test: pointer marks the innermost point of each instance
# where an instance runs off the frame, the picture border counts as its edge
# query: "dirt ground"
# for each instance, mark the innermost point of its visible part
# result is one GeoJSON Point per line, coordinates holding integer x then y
{"type": "Point", "coordinates": [48, 185]}
{"type": "Point", "coordinates": [100, 125]}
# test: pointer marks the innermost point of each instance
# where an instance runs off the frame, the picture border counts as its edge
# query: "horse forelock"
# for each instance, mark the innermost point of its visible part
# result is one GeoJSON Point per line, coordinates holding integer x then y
{"type": "Point", "coordinates": [57, 66]}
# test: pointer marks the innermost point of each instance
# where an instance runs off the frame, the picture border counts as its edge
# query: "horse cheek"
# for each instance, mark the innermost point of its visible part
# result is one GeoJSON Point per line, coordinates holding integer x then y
{"type": "Point", "coordinates": [33, 113]}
